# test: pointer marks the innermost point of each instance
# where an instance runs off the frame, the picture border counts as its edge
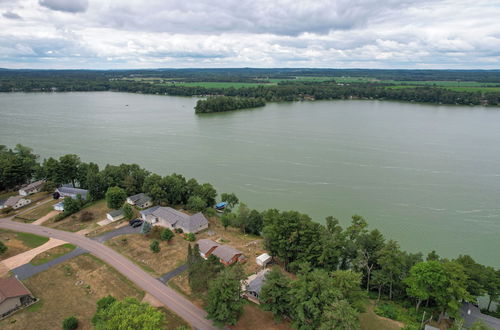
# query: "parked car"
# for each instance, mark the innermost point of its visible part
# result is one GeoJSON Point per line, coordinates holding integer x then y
{"type": "Point", "coordinates": [131, 222]}
{"type": "Point", "coordinates": [137, 224]}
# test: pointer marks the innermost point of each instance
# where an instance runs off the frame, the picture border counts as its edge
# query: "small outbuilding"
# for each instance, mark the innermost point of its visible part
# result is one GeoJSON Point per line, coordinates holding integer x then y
{"type": "Point", "coordinates": [59, 206]}
{"type": "Point", "coordinates": [13, 296]}
{"type": "Point", "coordinates": [140, 200]}
{"type": "Point", "coordinates": [263, 259]}
{"type": "Point", "coordinates": [253, 284]}
{"type": "Point", "coordinates": [115, 215]}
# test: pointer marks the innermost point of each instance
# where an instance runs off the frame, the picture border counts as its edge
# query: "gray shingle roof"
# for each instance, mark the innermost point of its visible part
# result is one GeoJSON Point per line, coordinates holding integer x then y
{"type": "Point", "coordinates": [135, 198]}
{"type": "Point", "coordinates": [143, 200]}
{"type": "Point", "coordinates": [226, 253]}
{"type": "Point", "coordinates": [255, 285]}
{"type": "Point", "coordinates": [11, 201]}
{"type": "Point", "coordinates": [476, 315]}
{"type": "Point", "coordinates": [33, 185]}
{"type": "Point", "coordinates": [148, 211]}
{"type": "Point", "coordinates": [69, 191]}
{"type": "Point", "coordinates": [178, 219]}
{"type": "Point", "coordinates": [206, 244]}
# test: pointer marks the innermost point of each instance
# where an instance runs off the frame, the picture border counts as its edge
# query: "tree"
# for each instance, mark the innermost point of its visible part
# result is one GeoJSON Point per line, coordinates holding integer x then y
{"type": "Point", "coordinates": [369, 246]}
{"type": "Point", "coordinates": [254, 222]}
{"type": "Point", "coordinates": [68, 168]}
{"type": "Point", "coordinates": [433, 256]}
{"type": "Point", "coordinates": [128, 212]}
{"type": "Point", "coordinates": [196, 204]}
{"type": "Point", "coordinates": [3, 248]}
{"type": "Point", "coordinates": [157, 194]}
{"type": "Point", "coordinates": [207, 192]}
{"type": "Point", "coordinates": [70, 323]}
{"type": "Point", "coordinates": [242, 217]}
{"type": "Point", "coordinates": [425, 280]}
{"type": "Point", "coordinates": [224, 301]}
{"type": "Point", "coordinates": [340, 315]}
{"type": "Point", "coordinates": [115, 197]}
{"type": "Point", "coordinates": [479, 325]}
{"type": "Point", "coordinates": [275, 294]}
{"type": "Point", "coordinates": [230, 199]}
{"type": "Point", "coordinates": [349, 285]}
{"type": "Point", "coordinates": [391, 265]}
{"type": "Point", "coordinates": [167, 234]}
{"type": "Point", "coordinates": [227, 219]}
{"type": "Point", "coordinates": [145, 228]}
{"type": "Point", "coordinates": [72, 205]}
{"type": "Point", "coordinates": [190, 237]}
{"type": "Point", "coordinates": [155, 246]}
{"type": "Point", "coordinates": [333, 243]}
{"type": "Point", "coordinates": [128, 314]}
{"type": "Point", "coordinates": [175, 187]}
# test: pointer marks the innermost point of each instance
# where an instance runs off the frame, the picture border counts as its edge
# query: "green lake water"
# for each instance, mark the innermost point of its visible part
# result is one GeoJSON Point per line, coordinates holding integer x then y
{"type": "Point", "coordinates": [425, 175]}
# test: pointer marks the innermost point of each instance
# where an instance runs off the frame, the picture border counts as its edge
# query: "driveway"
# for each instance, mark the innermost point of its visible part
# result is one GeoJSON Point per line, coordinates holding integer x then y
{"type": "Point", "coordinates": [25, 257]}
{"type": "Point", "coordinates": [170, 298]}
{"type": "Point", "coordinates": [46, 217]}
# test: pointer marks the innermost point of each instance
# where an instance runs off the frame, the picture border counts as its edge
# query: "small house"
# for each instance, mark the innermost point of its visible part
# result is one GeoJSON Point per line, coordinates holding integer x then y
{"type": "Point", "coordinates": [173, 219]}
{"type": "Point", "coordinates": [228, 255]}
{"type": "Point", "coordinates": [207, 246]}
{"type": "Point", "coordinates": [59, 206]}
{"type": "Point", "coordinates": [140, 200]}
{"type": "Point", "coordinates": [71, 192]}
{"type": "Point", "coordinates": [32, 188]}
{"type": "Point", "coordinates": [15, 202]}
{"type": "Point", "coordinates": [263, 259]}
{"type": "Point", "coordinates": [13, 296]}
{"type": "Point", "coordinates": [146, 212]}
{"type": "Point", "coordinates": [253, 284]}
{"type": "Point", "coordinates": [115, 215]}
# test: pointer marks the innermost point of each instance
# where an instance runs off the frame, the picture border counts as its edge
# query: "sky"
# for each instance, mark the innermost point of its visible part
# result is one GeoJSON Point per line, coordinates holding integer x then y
{"type": "Point", "coordinates": [126, 34]}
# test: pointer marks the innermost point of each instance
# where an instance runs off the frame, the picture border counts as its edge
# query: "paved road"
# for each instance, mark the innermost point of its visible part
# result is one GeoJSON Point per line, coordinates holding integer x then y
{"type": "Point", "coordinates": [173, 300]}
{"type": "Point", "coordinates": [173, 273]}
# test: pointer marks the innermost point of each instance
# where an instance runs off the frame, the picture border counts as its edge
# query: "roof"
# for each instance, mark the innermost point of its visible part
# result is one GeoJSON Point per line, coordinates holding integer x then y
{"type": "Point", "coordinates": [471, 314]}
{"type": "Point", "coordinates": [135, 198]}
{"type": "Point", "coordinates": [264, 257]}
{"type": "Point", "coordinates": [11, 201]}
{"type": "Point", "coordinates": [33, 185]}
{"type": "Point", "coordinates": [226, 253]}
{"type": "Point", "coordinates": [147, 212]}
{"type": "Point", "coordinates": [11, 287]}
{"type": "Point", "coordinates": [221, 204]}
{"type": "Point", "coordinates": [179, 219]}
{"type": "Point", "coordinates": [206, 244]}
{"type": "Point", "coordinates": [73, 191]}
{"type": "Point", "coordinates": [143, 200]}
{"type": "Point", "coordinates": [115, 213]}
{"type": "Point", "coordinates": [256, 281]}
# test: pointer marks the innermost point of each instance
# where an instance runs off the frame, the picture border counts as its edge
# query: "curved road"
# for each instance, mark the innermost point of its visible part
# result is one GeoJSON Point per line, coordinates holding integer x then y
{"type": "Point", "coordinates": [173, 300]}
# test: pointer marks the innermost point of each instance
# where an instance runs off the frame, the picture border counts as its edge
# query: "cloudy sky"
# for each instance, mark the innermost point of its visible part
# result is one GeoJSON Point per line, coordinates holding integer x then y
{"type": "Point", "coordinates": [105, 34]}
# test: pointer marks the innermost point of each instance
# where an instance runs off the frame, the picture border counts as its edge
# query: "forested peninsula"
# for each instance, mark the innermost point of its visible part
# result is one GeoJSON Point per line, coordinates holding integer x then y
{"type": "Point", "coordinates": [333, 269]}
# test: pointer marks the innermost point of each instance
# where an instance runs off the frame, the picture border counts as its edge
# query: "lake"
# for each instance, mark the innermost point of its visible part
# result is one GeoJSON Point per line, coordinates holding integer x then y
{"type": "Point", "coordinates": [425, 175]}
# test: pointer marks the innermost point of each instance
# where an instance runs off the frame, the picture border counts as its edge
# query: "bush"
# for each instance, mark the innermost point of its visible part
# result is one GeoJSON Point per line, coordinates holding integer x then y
{"type": "Point", "coordinates": [167, 234]}
{"type": "Point", "coordinates": [190, 237]}
{"type": "Point", "coordinates": [7, 210]}
{"type": "Point", "coordinates": [155, 232]}
{"type": "Point", "coordinates": [196, 204]}
{"type": "Point", "coordinates": [210, 212]}
{"type": "Point", "coordinates": [86, 216]}
{"type": "Point", "coordinates": [387, 310]}
{"type": "Point", "coordinates": [155, 246]}
{"type": "Point", "coordinates": [178, 230]}
{"type": "Point", "coordinates": [3, 248]}
{"type": "Point", "coordinates": [70, 323]}
{"type": "Point", "coordinates": [128, 212]}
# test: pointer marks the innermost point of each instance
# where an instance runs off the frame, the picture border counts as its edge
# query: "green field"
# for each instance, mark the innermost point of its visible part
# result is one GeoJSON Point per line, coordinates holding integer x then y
{"type": "Point", "coordinates": [216, 84]}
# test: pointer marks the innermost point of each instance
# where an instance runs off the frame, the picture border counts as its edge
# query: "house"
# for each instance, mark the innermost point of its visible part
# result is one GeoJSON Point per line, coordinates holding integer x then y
{"type": "Point", "coordinates": [207, 246]}
{"type": "Point", "coordinates": [115, 215]}
{"type": "Point", "coordinates": [263, 259]}
{"type": "Point", "coordinates": [140, 200]}
{"type": "Point", "coordinates": [253, 284]}
{"type": "Point", "coordinates": [472, 314]}
{"type": "Point", "coordinates": [59, 206]}
{"type": "Point", "coordinates": [13, 296]}
{"type": "Point", "coordinates": [71, 192]}
{"type": "Point", "coordinates": [173, 219]}
{"type": "Point", "coordinates": [15, 202]}
{"type": "Point", "coordinates": [228, 255]}
{"type": "Point", "coordinates": [32, 188]}
{"type": "Point", "coordinates": [146, 212]}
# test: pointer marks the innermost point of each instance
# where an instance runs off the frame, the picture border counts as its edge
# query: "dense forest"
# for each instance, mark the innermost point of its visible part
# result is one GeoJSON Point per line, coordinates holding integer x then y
{"type": "Point", "coordinates": [285, 86]}
{"type": "Point", "coordinates": [335, 268]}
{"type": "Point", "coordinates": [227, 103]}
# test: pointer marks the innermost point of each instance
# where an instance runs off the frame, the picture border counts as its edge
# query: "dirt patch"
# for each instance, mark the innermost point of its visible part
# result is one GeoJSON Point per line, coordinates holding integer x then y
{"type": "Point", "coordinates": [70, 289]}
{"type": "Point", "coordinates": [255, 318]}
{"type": "Point", "coordinates": [136, 247]}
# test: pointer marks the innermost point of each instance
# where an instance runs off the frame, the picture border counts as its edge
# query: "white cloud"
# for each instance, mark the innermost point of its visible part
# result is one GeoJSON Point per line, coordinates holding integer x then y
{"type": "Point", "coordinates": [218, 33]}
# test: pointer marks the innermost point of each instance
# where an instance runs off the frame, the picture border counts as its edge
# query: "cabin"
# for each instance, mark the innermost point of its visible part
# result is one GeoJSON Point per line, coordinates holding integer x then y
{"type": "Point", "coordinates": [15, 202]}
{"type": "Point", "coordinates": [13, 296]}
{"type": "Point", "coordinates": [115, 215]}
{"type": "Point", "coordinates": [207, 246]}
{"type": "Point", "coordinates": [71, 192]}
{"type": "Point", "coordinates": [169, 218]}
{"type": "Point", "coordinates": [140, 200]}
{"type": "Point", "coordinates": [253, 284]}
{"type": "Point", "coordinates": [263, 259]}
{"type": "Point", "coordinates": [32, 188]}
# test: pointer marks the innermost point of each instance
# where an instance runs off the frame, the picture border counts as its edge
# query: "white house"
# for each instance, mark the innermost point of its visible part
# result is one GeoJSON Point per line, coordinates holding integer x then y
{"type": "Point", "coordinates": [15, 202]}
{"type": "Point", "coordinates": [115, 215]}
{"type": "Point", "coordinates": [263, 259]}
{"type": "Point", "coordinates": [32, 188]}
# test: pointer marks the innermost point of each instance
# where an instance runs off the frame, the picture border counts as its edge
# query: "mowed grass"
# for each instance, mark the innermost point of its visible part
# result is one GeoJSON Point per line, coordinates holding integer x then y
{"type": "Point", "coordinates": [37, 212]}
{"type": "Point", "coordinates": [74, 223]}
{"type": "Point", "coordinates": [52, 254]}
{"type": "Point", "coordinates": [19, 242]}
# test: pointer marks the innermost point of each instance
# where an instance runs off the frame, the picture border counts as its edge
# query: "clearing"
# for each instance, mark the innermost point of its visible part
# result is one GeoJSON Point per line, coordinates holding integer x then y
{"type": "Point", "coordinates": [19, 242]}
{"type": "Point", "coordinates": [52, 254]}
{"type": "Point", "coordinates": [371, 321]}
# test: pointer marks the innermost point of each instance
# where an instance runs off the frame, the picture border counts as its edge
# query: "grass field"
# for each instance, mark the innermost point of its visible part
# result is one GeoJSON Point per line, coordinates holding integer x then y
{"type": "Point", "coordinates": [74, 223]}
{"type": "Point", "coordinates": [52, 254]}
{"type": "Point", "coordinates": [19, 242]}
{"type": "Point", "coordinates": [37, 212]}
{"type": "Point", "coordinates": [216, 84]}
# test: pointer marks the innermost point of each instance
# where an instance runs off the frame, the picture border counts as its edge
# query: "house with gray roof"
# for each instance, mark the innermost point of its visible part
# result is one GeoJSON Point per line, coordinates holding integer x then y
{"type": "Point", "coordinates": [32, 188]}
{"type": "Point", "coordinates": [15, 202]}
{"type": "Point", "coordinates": [71, 192]}
{"type": "Point", "coordinates": [115, 215]}
{"type": "Point", "coordinates": [472, 314]}
{"type": "Point", "coordinates": [207, 246]}
{"type": "Point", "coordinates": [228, 255]}
{"type": "Point", "coordinates": [140, 200]}
{"type": "Point", "coordinates": [173, 219]}
{"type": "Point", "coordinates": [253, 284]}
{"type": "Point", "coordinates": [146, 212]}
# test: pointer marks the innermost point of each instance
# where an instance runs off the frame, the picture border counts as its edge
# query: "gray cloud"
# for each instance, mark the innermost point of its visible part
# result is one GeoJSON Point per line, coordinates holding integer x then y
{"type": "Point", "coordinates": [70, 6]}
{"type": "Point", "coordinates": [11, 15]}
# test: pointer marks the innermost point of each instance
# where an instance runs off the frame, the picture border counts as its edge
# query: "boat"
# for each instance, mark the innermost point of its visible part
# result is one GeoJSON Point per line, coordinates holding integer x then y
{"type": "Point", "coordinates": [220, 206]}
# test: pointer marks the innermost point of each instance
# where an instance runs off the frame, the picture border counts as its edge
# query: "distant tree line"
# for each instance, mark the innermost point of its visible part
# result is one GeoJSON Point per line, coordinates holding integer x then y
{"type": "Point", "coordinates": [227, 103]}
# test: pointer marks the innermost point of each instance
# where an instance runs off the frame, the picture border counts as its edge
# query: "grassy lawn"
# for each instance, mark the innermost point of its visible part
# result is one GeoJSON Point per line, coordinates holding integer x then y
{"type": "Point", "coordinates": [371, 321]}
{"type": "Point", "coordinates": [72, 289]}
{"type": "Point", "coordinates": [37, 212]}
{"type": "Point", "coordinates": [255, 318]}
{"type": "Point", "coordinates": [19, 242]}
{"type": "Point", "coordinates": [73, 222]}
{"type": "Point", "coordinates": [52, 254]}
{"type": "Point", "coordinates": [136, 248]}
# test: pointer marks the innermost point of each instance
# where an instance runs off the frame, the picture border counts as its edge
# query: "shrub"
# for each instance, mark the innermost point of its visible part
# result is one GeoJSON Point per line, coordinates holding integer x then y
{"type": "Point", "coordinates": [155, 232]}
{"type": "Point", "coordinates": [70, 323]}
{"type": "Point", "coordinates": [178, 230]}
{"type": "Point", "coordinates": [86, 216]}
{"type": "Point", "coordinates": [128, 212]}
{"type": "Point", "coordinates": [210, 212]}
{"type": "Point", "coordinates": [196, 204]}
{"type": "Point", "coordinates": [387, 310]}
{"type": "Point", "coordinates": [155, 246]}
{"type": "Point", "coordinates": [167, 234]}
{"type": "Point", "coordinates": [190, 237]}
{"type": "Point", "coordinates": [3, 248]}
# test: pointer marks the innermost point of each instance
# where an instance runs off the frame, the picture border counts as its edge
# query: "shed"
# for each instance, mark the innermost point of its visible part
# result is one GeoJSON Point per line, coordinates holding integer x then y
{"type": "Point", "coordinates": [59, 206]}
{"type": "Point", "coordinates": [263, 259]}
{"type": "Point", "coordinates": [253, 284]}
{"type": "Point", "coordinates": [115, 215]}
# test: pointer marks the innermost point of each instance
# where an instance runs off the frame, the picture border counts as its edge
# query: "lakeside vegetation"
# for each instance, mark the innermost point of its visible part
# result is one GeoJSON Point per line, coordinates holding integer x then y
{"type": "Point", "coordinates": [334, 268]}
{"type": "Point", "coordinates": [273, 85]}
{"type": "Point", "coordinates": [227, 103]}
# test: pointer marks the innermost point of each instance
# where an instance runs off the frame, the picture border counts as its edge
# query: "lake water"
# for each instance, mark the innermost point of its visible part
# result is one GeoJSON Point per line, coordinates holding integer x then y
{"type": "Point", "coordinates": [426, 175]}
